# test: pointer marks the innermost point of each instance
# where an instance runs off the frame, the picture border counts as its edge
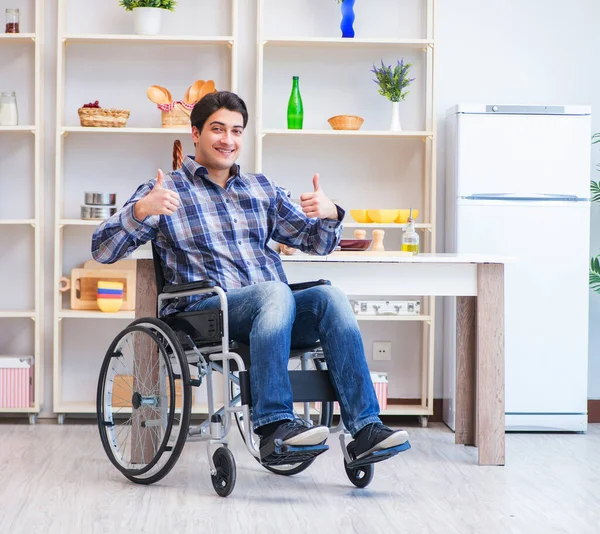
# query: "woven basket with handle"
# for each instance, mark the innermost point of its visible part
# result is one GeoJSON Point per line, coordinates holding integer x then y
{"type": "Point", "coordinates": [105, 118]}
{"type": "Point", "coordinates": [178, 117]}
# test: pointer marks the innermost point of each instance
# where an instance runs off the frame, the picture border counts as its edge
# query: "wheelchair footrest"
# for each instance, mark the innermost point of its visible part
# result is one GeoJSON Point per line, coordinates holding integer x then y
{"type": "Point", "coordinates": [379, 456]}
{"type": "Point", "coordinates": [285, 454]}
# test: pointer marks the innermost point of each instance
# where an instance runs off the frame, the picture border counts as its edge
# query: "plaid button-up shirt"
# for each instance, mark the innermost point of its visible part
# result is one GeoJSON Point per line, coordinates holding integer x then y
{"type": "Point", "coordinates": [217, 234]}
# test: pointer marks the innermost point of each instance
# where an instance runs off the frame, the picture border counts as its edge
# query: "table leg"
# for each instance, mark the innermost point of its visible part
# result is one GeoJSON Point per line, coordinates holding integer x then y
{"type": "Point", "coordinates": [145, 290]}
{"type": "Point", "coordinates": [489, 370]}
{"type": "Point", "coordinates": [466, 350]}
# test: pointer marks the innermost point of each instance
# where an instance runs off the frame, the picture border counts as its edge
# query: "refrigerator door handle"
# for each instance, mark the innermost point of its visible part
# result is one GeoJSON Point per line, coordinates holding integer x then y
{"type": "Point", "coordinates": [519, 196]}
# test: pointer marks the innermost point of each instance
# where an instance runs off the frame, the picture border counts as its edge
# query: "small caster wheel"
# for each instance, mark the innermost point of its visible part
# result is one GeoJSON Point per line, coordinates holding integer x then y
{"type": "Point", "coordinates": [362, 476]}
{"type": "Point", "coordinates": [61, 418]}
{"type": "Point", "coordinates": [423, 419]}
{"type": "Point", "coordinates": [224, 479]}
{"type": "Point", "coordinates": [32, 418]}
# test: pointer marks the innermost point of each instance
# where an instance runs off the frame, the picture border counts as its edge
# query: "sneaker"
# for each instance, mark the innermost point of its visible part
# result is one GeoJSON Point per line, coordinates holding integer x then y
{"type": "Point", "coordinates": [297, 433]}
{"type": "Point", "coordinates": [375, 437]}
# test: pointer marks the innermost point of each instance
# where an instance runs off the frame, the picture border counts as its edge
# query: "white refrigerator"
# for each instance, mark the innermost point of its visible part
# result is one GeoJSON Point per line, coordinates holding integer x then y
{"type": "Point", "coordinates": [518, 185]}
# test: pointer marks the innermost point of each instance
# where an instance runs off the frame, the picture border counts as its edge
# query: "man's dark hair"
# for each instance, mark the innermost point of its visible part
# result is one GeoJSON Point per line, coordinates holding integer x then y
{"type": "Point", "coordinates": [213, 102]}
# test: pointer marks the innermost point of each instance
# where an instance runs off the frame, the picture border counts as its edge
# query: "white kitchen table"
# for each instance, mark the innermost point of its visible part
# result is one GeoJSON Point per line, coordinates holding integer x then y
{"type": "Point", "coordinates": [478, 283]}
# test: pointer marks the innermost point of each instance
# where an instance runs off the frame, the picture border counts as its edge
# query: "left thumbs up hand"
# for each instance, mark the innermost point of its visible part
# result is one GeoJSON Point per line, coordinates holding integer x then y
{"type": "Point", "coordinates": [316, 204]}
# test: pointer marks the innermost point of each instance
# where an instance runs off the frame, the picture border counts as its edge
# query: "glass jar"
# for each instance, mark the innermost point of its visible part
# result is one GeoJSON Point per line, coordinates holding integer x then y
{"type": "Point", "coordinates": [9, 115]}
{"type": "Point", "coordinates": [410, 238]}
{"type": "Point", "coordinates": [12, 21]}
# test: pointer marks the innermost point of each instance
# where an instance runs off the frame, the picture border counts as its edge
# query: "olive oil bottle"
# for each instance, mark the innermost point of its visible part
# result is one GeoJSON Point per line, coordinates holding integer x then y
{"type": "Point", "coordinates": [410, 238]}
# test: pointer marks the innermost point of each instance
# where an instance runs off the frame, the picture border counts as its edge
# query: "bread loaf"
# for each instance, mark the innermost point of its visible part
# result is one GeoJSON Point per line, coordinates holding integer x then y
{"type": "Point", "coordinates": [177, 155]}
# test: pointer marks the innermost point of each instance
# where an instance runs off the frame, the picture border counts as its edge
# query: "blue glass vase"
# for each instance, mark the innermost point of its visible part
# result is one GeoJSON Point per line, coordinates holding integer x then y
{"type": "Point", "coordinates": [348, 17]}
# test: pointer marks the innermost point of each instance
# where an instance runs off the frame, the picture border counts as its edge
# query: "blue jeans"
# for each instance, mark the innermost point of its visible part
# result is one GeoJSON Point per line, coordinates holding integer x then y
{"type": "Point", "coordinates": [272, 319]}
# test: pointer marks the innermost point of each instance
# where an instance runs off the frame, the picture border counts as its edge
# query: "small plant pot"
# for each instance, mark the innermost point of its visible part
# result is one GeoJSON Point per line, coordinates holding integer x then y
{"type": "Point", "coordinates": [146, 20]}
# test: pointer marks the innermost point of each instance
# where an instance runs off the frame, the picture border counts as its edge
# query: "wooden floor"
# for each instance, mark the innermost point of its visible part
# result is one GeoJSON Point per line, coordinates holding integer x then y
{"type": "Point", "coordinates": [57, 480]}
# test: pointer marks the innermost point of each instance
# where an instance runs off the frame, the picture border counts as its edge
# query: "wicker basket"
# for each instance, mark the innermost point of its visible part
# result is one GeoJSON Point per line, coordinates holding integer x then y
{"type": "Point", "coordinates": [177, 118]}
{"type": "Point", "coordinates": [101, 117]}
{"type": "Point", "coordinates": [346, 122]}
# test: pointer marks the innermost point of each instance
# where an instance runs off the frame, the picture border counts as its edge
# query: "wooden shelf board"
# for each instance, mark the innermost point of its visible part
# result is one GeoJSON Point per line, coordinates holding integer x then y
{"type": "Point", "coordinates": [17, 129]}
{"type": "Point", "coordinates": [400, 409]}
{"type": "Point", "coordinates": [90, 314]}
{"type": "Point", "coordinates": [90, 407]}
{"type": "Point", "coordinates": [31, 409]}
{"type": "Point", "coordinates": [79, 222]}
{"type": "Point", "coordinates": [16, 314]}
{"type": "Point", "coordinates": [423, 318]}
{"type": "Point", "coordinates": [17, 37]}
{"type": "Point", "coordinates": [340, 41]}
{"type": "Point", "coordinates": [399, 226]}
{"type": "Point", "coordinates": [11, 222]}
{"type": "Point", "coordinates": [349, 133]}
{"type": "Point", "coordinates": [126, 130]}
{"type": "Point", "coordinates": [202, 408]}
{"type": "Point", "coordinates": [146, 39]}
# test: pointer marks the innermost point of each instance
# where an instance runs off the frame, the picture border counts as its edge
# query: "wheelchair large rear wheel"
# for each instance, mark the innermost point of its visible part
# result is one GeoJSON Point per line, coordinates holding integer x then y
{"type": "Point", "coordinates": [144, 401]}
{"type": "Point", "coordinates": [323, 416]}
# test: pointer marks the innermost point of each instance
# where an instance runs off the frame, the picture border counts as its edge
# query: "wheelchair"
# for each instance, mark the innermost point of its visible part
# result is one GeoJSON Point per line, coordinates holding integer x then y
{"type": "Point", "coordinates": [144, 395]}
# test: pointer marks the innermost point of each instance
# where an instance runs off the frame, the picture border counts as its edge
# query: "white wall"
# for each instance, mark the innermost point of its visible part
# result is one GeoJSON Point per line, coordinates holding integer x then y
{"type": "Point", "coordinates": [538, 51]}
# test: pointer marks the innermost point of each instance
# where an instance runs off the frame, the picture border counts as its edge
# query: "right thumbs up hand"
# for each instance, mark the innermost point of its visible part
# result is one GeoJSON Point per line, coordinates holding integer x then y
{"type": "Point", "coordinates": [159, 201]}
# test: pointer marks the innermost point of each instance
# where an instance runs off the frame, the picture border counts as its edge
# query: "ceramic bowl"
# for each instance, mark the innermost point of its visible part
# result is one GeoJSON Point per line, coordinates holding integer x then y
{"type": "Point", "coordinates": [403, 216]}
{"type": "Point", "coordinates": [360, 216]}
{"type": "Point", "coordinates": [355, 244]}
{"type": "Point", "coordinates": [382, 216]}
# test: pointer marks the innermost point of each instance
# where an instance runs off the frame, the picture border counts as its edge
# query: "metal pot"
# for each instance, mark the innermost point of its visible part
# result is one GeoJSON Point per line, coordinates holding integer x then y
{"type": "Point", "coordinates": [97, 212]}
{"type": "Point", "coordinates": [100, 199]}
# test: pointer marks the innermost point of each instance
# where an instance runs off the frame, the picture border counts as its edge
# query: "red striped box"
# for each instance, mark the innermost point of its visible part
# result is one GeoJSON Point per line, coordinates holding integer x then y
{"type": "Point", "coordinates": [16, 381]}
{"type": "Point", "coordinates": [380, 382]}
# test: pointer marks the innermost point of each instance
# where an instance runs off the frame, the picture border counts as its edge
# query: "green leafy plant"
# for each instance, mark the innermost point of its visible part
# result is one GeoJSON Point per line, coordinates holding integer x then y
{"type": "Point", "coordinates": [595, 261]}
{"type": "Point", "coordinates": [393, 81]}
{"type": "Point", "coordinates": [130, 5]}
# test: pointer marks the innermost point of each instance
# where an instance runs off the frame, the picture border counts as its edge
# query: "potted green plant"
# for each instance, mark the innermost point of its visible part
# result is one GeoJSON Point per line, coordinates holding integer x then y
{"type": "Point", "coordinates": [392, 83]}
{"type": "Point", "coordinates": [147, 14]}
{"type": "Point", "coordinates": [595, 262]}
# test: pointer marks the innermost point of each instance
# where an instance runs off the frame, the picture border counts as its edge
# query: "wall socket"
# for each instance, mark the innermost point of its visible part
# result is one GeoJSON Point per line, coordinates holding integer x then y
{"type": "Point", "coordinates": [382, 350]}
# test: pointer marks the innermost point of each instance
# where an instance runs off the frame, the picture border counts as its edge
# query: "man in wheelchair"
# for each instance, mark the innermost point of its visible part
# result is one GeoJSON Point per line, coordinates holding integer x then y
{"type": "Point", "coordinates": [210, 220]}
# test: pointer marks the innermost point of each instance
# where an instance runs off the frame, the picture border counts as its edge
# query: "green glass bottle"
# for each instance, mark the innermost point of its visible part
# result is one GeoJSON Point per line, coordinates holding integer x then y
{"type": "Point", "coordinates": [295, 111]}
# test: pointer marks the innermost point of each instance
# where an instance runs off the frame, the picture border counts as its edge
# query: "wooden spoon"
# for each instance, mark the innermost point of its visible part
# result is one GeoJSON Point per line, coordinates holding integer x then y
{"type": "Point", "coordinates": [208, 87]}
{"type": "Point", "coordinates": [156, 94]}
{"type": "Point", "coordinates": [187, 96]}
{"type": "Point", "coordinates": [195, 91]}
{"type": "Point", "coordinates": [167, 93]}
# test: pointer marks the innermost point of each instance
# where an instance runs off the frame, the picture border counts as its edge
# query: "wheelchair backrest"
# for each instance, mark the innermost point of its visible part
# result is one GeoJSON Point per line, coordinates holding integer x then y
{"type": "Point", "coordinates": [158, 270]}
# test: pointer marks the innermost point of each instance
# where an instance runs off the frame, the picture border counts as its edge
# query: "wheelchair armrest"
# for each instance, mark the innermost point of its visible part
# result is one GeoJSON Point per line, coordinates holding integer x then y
{"type": "Point", "coordinates": [190, 286]}
{"type": "Point", "coordinates": [305, 285]}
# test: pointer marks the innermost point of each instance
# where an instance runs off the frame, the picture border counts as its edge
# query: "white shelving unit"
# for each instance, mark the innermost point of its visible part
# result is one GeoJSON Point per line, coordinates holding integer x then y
{"type": "Point", "coordinates": [425, 45]}
{"type": "Point", "coordinates": [7, 42]}
{"type": "Point", "coordinates": [61, 405]}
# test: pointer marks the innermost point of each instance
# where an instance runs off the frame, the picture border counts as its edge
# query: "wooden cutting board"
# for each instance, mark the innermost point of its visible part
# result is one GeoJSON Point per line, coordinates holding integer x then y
{"type": "Point", "coordinates": [130, 265]}
{"type": "Point", "coordinates": [84, 287]}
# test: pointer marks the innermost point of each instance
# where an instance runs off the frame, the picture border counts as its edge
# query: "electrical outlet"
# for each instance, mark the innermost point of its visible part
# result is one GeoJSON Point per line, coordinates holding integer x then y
{"type": "Point", "coordinates": [382, 350]}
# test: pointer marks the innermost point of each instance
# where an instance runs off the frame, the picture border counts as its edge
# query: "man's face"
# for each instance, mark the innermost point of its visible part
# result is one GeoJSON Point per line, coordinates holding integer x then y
{"type": "Point", "coordinates": [218, 147]}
